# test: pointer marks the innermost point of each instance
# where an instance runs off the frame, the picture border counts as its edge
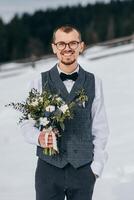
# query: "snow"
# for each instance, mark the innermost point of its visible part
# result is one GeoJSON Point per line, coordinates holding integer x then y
{"type": "Point", "coordinates": [18, 160]}
{"type": "Point", "coordinates": [97, 52]}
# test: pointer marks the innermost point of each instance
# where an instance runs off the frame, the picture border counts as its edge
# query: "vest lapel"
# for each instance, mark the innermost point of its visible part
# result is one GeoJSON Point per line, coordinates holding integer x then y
{"type": "Point", "coordinates": [77, 85]}
{"type": "Point", "coordinates": [60, 87]}
{"type": "Point", "coordinates": [57, 83]}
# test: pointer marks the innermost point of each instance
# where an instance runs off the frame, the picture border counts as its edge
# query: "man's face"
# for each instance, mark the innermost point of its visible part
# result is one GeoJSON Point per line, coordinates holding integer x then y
{"type": "Point", "coordinates": [67, 54]}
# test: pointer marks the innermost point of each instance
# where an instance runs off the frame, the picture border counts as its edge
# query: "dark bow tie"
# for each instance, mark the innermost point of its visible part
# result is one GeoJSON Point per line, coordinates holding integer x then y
{"type": "Point", "coordinates": [73, 76]}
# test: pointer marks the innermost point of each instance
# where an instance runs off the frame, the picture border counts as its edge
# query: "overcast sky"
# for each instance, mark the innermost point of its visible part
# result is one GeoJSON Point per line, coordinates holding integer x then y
{"type": "Point", "coordinates": [9, 7]}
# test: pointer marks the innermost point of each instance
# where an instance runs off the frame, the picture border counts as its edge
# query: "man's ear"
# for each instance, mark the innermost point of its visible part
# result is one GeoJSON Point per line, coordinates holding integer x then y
{"type": "Point", "coordinates": [83, 46]}
{"type": "Point", "coordinates": [53, 48]}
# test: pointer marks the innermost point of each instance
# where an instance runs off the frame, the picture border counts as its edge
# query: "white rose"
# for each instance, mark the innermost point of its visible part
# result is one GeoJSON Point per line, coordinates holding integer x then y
{"type": "Point", "coordinates": [64, 108]}
{"type": "Point", "coordinates": [50, 108]}
{"type": "Point", "coordinates": [44, 121]}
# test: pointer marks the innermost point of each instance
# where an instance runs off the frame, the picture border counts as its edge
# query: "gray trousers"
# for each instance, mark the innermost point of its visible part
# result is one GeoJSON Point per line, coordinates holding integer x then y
{"type": "Point", "coordinates": [53, 183]}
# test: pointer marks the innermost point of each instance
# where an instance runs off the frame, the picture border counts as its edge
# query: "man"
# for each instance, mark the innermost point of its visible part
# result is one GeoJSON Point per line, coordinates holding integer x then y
{"type": "Point", "coordinates": [72, 172]}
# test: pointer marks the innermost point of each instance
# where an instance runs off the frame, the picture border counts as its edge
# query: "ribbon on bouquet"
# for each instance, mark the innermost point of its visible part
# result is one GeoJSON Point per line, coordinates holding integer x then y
{"type": "Point", "coordinates": [47, 134]}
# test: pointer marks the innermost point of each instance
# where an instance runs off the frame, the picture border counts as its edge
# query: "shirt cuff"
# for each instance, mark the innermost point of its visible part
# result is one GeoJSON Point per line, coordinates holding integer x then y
{"type": "Point", "coordinates": [36, 139]}
{"type": "Point", "coordinates": [97, 168]}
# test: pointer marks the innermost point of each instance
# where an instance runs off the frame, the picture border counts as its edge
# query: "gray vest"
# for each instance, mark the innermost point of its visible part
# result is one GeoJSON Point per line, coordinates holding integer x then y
{"type": "Point", "coordinates": [76, 143]}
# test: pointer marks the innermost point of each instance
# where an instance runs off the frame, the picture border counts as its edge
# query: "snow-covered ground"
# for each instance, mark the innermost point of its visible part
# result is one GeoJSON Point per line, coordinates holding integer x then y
{"type": "Point", "coordinates": [97, 52]}
{"type": "Point", "coordinates": [17, 158]}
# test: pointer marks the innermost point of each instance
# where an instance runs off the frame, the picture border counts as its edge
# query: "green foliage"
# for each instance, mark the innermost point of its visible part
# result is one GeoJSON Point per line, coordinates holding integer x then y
{"type": "Point", "coordinates": [48, 109]}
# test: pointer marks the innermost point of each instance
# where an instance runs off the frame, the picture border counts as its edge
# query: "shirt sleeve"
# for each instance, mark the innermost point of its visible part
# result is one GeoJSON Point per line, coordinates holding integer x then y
{"type": "Point", "coordinates": [28, 130]}
{"type": "Point", "coordinates": [100, 129]}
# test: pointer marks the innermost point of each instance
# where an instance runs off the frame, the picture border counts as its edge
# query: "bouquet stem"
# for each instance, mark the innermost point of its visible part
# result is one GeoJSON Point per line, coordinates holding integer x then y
{"type": "Point", "coordinates": [50, 151]}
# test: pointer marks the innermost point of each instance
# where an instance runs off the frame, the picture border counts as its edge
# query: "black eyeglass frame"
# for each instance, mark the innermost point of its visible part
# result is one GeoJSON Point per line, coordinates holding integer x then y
{"type": "Point", "coordinates": [67, 44]}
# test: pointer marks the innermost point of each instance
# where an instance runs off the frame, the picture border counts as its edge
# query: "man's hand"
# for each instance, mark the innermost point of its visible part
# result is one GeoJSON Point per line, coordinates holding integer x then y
{"type": "Point", "coordinates": [96, 176]}
{"type": "Point", "coordinates": [42, 141]}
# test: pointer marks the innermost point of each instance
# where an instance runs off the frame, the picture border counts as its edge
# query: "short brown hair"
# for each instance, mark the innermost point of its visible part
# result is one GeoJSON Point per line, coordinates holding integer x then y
{"type": "Point", "coordinates": [66, 29]}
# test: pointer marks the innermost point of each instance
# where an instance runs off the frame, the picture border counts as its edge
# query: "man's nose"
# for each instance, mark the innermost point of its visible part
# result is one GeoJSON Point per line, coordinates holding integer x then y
{"type": "Point", "coordinates": [67, 47]}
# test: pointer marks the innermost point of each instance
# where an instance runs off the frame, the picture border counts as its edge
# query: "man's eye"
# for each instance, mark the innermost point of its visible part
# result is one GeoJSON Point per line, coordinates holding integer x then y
{"type": "Point", "coordinates": [73, 42]}
{"type": "Point", "coordinates": [61, 44]}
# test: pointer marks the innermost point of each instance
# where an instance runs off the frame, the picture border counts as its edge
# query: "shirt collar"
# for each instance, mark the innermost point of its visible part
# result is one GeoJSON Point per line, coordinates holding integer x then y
{"type": "Point", "coordinates": [76, 70]}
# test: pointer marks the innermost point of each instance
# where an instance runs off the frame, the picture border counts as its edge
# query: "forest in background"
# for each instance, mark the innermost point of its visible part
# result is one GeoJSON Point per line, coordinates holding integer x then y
{"type": "Point", "coordinates": [29, 35]}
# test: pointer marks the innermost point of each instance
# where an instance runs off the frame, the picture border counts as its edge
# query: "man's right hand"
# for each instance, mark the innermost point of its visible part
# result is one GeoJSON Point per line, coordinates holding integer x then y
{"type": "Point", "coordinates": [42, 141]}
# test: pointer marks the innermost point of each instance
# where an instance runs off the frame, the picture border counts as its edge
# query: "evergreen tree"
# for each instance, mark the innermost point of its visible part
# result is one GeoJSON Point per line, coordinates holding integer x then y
{"type": "Point", "coordinates": [31, 34]}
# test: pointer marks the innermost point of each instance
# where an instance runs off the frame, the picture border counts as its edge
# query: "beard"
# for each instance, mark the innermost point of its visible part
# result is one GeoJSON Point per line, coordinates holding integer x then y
{"type": "Point", "coordinates": [67, 61]}
{"type": "Point", "coordinates": [70, 62]}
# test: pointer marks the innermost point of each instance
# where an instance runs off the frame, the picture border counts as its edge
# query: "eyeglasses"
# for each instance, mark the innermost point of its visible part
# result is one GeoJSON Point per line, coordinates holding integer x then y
{"type": "Point", "coordinates": [72, 45]}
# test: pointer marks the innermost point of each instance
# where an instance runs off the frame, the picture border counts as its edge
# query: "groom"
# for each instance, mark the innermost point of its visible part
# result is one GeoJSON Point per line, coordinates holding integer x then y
{"type": "Point", "coordinates": [72, 172]}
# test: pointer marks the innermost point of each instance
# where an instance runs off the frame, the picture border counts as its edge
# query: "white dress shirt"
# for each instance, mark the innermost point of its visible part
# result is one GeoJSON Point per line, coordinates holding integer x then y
{"type": "Point", "coordinates": [100, 128]}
